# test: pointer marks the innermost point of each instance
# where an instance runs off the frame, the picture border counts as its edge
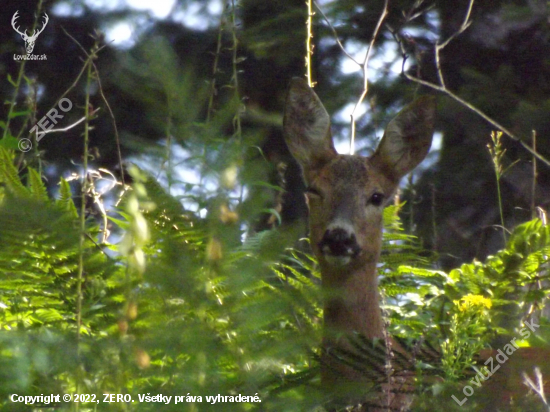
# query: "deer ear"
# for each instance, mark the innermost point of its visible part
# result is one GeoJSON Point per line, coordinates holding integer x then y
{"type": "Point", "coordinates": [306, 126]}
{"type": "Point", "coordinates": [407, 139]}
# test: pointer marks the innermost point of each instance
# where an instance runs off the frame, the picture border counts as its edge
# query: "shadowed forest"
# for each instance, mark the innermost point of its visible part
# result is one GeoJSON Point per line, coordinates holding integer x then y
{"type": "Point", "coordinates": [153, 224]}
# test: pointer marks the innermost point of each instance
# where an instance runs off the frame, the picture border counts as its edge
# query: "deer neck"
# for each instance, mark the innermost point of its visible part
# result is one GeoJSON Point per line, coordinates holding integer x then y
{"type": "Point", "coordinates": [351, 300]}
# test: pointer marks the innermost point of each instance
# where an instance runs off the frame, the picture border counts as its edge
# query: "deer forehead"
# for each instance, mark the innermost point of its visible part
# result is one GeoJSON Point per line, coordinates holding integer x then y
{"type": "Point", "coordinates": [350, 174]}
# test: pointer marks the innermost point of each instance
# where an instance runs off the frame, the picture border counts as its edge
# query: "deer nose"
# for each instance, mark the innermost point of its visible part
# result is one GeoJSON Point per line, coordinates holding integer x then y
{"type": "Point", "coordinates": [339, 242]}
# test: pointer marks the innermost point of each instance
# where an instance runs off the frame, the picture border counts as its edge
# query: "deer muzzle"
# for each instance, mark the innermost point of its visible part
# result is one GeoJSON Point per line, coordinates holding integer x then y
{"type": "Point", "coordinates": [339, 246]}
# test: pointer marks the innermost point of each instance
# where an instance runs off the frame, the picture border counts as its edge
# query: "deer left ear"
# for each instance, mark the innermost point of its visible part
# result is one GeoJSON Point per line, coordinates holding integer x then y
{"type": "Point", "coordinates": [306, 127]}
{"type": "Point", "coordinates": [407, 139]}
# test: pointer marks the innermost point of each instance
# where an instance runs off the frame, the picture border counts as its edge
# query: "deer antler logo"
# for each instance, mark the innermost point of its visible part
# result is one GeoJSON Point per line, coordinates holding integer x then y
{"type": "Point", "coordinates": [29, 40]}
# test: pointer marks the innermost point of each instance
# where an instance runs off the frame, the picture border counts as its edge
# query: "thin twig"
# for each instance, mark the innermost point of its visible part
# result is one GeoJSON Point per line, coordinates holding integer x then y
{"type": "Point", "coordinates": [309, 46]}
{"type": "Point", "coordinates": [235, 61]}
{"type": "Point", "coordinates": [443, 89]}
{"type": "Point", "coordinates": [213, 92]}
{"type": "Point", "coordinates": [89, 57]}
{"type": "Point", "coordinates": [489, 120]}
{"type": "Point", "coordinates": [365, 67]}
{"type": "Point", "coordinates": [215, 65]}
{"type": "Point", "coordinates": [535, 176]}
{"type": "Point", "coordinates": [89, 60]}
{"type": "Point", "coordinates": [465, 24]}
{"type": "Point", "coordinates": [66, 128]}
{"type": "Point", "coordinates": [537, 387]}
{"type": "Point", "coordinates": [73, 85]}
{"type": "Point", "coordinates": [438, 47]}
{"type": "Point", "coordinates": [83, 191]}
{"type": "Point", "coordinates": [117, 137]}
{"type": "Point", "coordinates": [349, 56]}
{"type": "Point", "coordinates": [20, 76]}
{"type": "Point", "coordinates": [235, 76]}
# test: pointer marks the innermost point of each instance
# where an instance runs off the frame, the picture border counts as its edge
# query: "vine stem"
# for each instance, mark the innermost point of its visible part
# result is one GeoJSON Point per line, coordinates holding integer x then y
{"type": "Point", "coordinates": [535, 176]}
{"type": "Point", "coordinates": [83, 191]}
{"type": "Point", "coordinates": [20, 75]}
{"type": "Point", "coordinates": [309, 47]}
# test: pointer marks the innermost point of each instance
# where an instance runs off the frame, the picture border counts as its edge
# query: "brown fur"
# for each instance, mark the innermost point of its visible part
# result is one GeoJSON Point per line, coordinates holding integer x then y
{"type": "Point", "coordinates": [343, 216]}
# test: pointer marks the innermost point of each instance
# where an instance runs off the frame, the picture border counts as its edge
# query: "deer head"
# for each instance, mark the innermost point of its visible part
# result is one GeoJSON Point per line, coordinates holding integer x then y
{"type": "Point", "coordinates": [346, 195]}
{"type": "Point", "coordinates": [29, 40]}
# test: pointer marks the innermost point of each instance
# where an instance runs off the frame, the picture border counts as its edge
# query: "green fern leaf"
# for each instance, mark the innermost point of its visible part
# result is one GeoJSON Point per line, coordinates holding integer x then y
{"type": "Point", "coordinates": [9, 175]}
{"type": "Point", "coordinates": [65, 201]}
{"type": "Point", "coordinates": [36, 186]}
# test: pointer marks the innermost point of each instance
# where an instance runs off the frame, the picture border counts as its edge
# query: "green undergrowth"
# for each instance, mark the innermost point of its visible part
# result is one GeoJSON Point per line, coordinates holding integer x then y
{"type": "Point", "coordinates": [189, 305]}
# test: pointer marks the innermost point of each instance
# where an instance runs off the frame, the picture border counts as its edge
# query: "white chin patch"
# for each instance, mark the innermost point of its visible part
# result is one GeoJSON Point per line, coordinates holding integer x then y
{"type": "Point", "coordinates": [337, 260]}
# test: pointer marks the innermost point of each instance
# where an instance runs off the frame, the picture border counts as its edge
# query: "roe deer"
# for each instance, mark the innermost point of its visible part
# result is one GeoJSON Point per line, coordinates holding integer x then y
{"type": "Point", "coordinates": [346, 195]}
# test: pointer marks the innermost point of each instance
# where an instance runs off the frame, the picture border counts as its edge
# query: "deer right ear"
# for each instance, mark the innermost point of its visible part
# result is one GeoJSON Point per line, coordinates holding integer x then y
{"type": "Point", "coordinates": [407, 139]}
{"type": "Point", "coordinates": [306, 126]}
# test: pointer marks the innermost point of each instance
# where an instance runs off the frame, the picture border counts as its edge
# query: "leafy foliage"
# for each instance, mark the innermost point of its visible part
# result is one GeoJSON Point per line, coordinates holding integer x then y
{"type": "Point", "coordinates": [207, 314]}
{"type": "Point", "coordinates": [190, 301]}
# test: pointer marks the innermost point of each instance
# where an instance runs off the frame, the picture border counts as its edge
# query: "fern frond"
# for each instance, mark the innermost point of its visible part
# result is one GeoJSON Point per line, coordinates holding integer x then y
{"type": "Point", "coordinates": [9, 175]}
{"type": "Point", "coordinates": [37, 188]}
{"type": "Point", "coordinates": [65, 201]}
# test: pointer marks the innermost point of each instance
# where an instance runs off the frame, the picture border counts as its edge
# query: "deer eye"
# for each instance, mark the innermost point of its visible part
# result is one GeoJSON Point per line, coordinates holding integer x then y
{"type": "Point", "coordinates": [311, 191]}
{"type": "Point", "coordinates": [376, 199]}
